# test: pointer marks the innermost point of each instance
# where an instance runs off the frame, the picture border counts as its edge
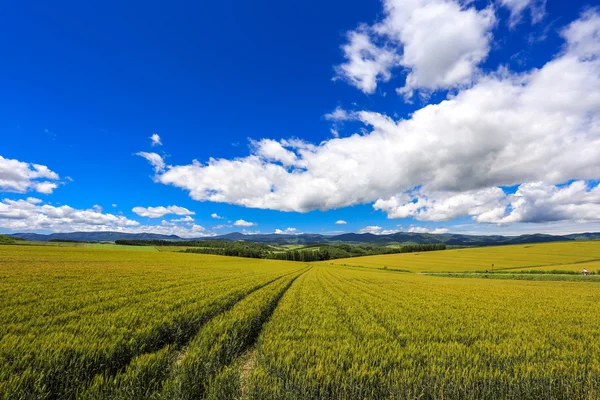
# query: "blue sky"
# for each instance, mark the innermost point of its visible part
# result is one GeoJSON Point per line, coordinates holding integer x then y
{"type": "Point", "coordinates": [423, 115]}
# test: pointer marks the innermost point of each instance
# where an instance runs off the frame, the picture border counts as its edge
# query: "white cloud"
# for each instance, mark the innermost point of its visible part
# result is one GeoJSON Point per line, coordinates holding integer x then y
{"type": "Point", "coordinates": [156, 160]}
{"type": "Point", "coordinates": [31, 215]}
{"type": "Point", "coordinates": [583, 36]}
{"type": "Point", "coordinates": [508, 129]}
{"type": "Point", "coordinates": [45, 187]}
{"type": "Point", "coordinates": [377, 230]}
{"type": "Point", "coordinates": [340, 222]}
{"type": "Point", "coordinates": [554, 228]}
{"type": "Point", "coordinates": [441, 206]}
{"type": "Point", "coordinates": [183, 231]}
{"type": "Point", "coordinates": [216, 216]}
{"type": "Point", "coordinates": [535, 202]}
{"type": "Point", "coordinates": [439, 43]}
{"type": "Point", "coordinates": [21, 177]}
{"type": "Point", "coordinates": [187, 219]}
{"type": "Point", "coordinates": [156, 141]}
{"type": "Point", "coordinates": [114, 205]}
{"type": "Point", "coordinates": [247, 232]}
{"type": "Point", "coordinates": [158, 212]}
{"type": "Point", "coordinates": [339, 114]}
{"type": "Point", "coordinates": [539, 202]}
{"type": "Point", "coordinates": [366, 62]}
{"type": "Point", "coordinates": [241, 222]}
{"type": "Point", "coordinates": [287, 231]}
{"type": "Point", "coordinates": [274, 151]}
{"type": "Point", "coordinates": [537, 9]}
{"type": "Point", "coordinates": [422, 229]}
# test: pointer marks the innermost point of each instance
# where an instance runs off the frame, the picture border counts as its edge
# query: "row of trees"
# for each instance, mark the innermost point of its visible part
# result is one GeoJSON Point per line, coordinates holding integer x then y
{"type": "Point", "coordinates": [6, 240]}
{"type": "Point", "coordinates": [310, 253]}
{"type": "Point", "coordinates": [314, 252]}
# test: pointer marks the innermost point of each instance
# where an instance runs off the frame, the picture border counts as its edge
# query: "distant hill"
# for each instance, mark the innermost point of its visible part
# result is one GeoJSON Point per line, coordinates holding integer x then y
{"type": "Point", "coordinates": [311, 238]}
{"type": "Point", "coordinates": [94, 236]}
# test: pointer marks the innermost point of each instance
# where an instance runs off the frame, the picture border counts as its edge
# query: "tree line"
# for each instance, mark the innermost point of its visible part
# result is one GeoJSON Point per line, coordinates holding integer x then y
{"type": "Point", "coordinates": [314, 252]}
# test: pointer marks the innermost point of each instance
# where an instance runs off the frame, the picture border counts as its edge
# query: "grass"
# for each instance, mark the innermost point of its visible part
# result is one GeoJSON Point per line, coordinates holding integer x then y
{"type": "Point", "coordinates": [71, 313]}
{"type": "Point", "coordinates": [544, 255]}
{"type": "Point", "coordinates": [521, 277]}
{"type": "Point", "coordinates": [101, 246]}
{"type": "Point", "coordinates": [109, 246]}
{"type": "Point", "coordinates": [342, 333]}
{"type": "Point", "coordinates": [106, 323]}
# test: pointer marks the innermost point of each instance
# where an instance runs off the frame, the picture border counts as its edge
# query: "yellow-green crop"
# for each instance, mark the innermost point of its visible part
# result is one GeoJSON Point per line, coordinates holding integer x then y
{"type": "Point", "coordinates": [89, 323]}
{"type": "Point", "coordinates": [526, 256]}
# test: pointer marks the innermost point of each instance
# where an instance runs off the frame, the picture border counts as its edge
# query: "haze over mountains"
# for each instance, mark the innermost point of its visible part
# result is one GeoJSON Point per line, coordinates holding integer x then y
{"type": "Point", "coordinates": [307, 238]}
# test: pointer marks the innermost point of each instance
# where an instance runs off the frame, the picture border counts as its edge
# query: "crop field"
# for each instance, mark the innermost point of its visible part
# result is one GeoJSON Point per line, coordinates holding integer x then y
{"type": "Point", "coordinates": [356, 334]}
{"type": "Point", "coordinates": [85, 323]}
{"type": "Point", "coordinates": [561, 255]}
{"type": "Point", "coordinates": [101, 246]}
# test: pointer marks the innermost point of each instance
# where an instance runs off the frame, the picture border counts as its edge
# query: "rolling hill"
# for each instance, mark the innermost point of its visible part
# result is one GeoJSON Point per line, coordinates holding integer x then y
{"type": "Point", "coordinates": [354, 238]}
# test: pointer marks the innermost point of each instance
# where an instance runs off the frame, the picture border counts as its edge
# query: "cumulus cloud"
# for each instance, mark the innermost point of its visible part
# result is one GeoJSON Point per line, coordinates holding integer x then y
{"type": "Point", "coordinates": [21, 177]}
{"type": "Point", "coordinates": [155, 139]}
{"type": "Point", "coordinates": [537, 9]}
{"type": "Point", "coordinates": [216, 216]}
{"type": "Point", "coordinates": [446, 159]}
{"type": "Point", "coordinates": [366, 63]}
{"type": "Point", "coordinates": [32, 215]}
{"type": "Point", "coordinates": [272, 150]}
{"type": "Point", "coordinates": [377, 230]}
{"type": "Point", "coordinates": [156, 160]}
{"type": "Point", "coordinates": [241, 222]}
{"type": "Point", "coordinates": [339, 114]}
{"type": "Point", "coordinates": [340, 222]}
{"type": "Point", "coordinates": [158, 212]}
{"type": "Point", "coordinates": [439, 43]}
{"type": "Point", "coordinates": [442, 206]}
{"type": "Point", "coordinates": [583, 36]}
{"type": "Point", "coordinates": [187, 219]}
{"type": "Point", "coordinates": [540, 202]}
{"type": "Point", "coordinates": [534, 202]}
{"type": "Point", "coordinates": [287, 231]}
{"type": "Point", "coordinates": [422, 229]}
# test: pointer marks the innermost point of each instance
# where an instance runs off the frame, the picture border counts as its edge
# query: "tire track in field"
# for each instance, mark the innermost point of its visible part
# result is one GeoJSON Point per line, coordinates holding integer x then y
{"type": "Point", "coordinates": [239, 362]}
{"type": "Point", "coordinates": [179, 348]}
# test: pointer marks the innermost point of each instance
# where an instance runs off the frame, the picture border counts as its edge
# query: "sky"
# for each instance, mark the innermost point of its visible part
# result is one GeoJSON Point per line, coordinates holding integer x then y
{"type": "Point", "coordinates": [203, 118]}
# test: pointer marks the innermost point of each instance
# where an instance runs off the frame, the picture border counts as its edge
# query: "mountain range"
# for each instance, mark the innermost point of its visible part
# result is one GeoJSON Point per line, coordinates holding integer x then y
{"type": "Point", "coordinates": [307, 238]}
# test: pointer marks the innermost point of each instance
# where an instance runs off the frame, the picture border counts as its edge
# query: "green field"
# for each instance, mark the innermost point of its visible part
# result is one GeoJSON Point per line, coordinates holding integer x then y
{"type": "Point", "coordinates": [103, 323]}
{"type": "Point", "coordinates": [561, 255]}
{"type": "Point", "coordinates": [102, 246]}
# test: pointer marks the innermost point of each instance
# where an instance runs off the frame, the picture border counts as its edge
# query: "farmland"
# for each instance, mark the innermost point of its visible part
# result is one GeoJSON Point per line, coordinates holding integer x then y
{"type": "Point", "coordinates": [561, 255]}
{"type": "Point", "coordinates": [108, 323]}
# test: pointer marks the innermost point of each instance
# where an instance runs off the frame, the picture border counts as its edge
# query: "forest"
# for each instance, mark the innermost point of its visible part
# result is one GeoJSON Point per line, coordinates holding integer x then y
{"type": "Point", "coordinates": [314, 252]}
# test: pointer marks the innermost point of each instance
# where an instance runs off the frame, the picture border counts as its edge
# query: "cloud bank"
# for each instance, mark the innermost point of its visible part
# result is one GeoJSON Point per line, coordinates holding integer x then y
{"type": "Point", "coordinates": [539, 129]}
{"type": "Point", "coordinates": [32, 215]}
{"type": "Point", "coordinates": [158, 212]}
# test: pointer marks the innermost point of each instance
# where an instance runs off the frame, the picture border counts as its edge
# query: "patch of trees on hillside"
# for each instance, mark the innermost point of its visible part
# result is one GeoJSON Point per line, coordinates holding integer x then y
{"type": "Point", "coordinates": [6, 240]}
{"type": "Point", "coordinates": [313, 252]}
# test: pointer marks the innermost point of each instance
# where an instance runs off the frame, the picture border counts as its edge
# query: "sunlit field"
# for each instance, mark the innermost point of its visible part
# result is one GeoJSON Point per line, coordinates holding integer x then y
{"type": "Point", "coordinates": [100, 323]}
{"type": "Point", "coordinates": [561, 255]}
